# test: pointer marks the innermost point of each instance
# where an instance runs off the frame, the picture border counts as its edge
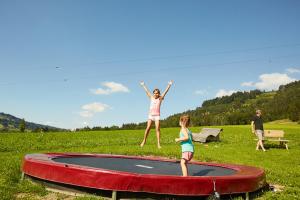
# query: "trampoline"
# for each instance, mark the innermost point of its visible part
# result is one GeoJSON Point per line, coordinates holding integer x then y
{"type": "Point", "coordinates": [142, 174]}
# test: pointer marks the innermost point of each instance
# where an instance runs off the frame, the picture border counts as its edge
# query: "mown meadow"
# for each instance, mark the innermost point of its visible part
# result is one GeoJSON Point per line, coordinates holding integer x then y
{"type": "Point", "coordinates": [237, 146]}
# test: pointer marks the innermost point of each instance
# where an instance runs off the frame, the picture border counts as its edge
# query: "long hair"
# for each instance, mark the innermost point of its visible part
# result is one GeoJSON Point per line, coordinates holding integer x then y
{"type": "Point", "coordinates": [185, 120]}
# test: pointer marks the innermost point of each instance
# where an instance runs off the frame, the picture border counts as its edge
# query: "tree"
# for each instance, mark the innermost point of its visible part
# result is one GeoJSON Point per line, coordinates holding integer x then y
{"type": "Point", "coordinates": [22, 125]}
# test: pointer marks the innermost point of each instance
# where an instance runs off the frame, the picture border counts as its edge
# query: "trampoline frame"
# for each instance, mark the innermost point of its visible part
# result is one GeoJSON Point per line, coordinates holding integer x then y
{"type": "Point", "coordinates": [41, 166]}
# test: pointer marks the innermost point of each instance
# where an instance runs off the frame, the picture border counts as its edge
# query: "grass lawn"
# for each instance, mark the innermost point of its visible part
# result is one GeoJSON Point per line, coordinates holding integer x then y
{"type": "Point", "coordinates": [237, 146]}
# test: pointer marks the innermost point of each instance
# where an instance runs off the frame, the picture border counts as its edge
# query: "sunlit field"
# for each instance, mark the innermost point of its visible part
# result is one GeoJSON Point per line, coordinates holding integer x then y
{"type": "Point", "coordinates": [237, 146]}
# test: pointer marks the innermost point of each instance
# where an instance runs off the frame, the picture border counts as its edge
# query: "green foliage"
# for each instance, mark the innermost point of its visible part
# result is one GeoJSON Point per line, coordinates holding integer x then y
{"type": "Point", "coordinates": [237, 146]}
{"type": "Point", "coordinates": [22, 125]}
{"type": "Point", "coordinates": [9, 123]}
{"type": "Point", "coordinates": [239, 108]}
{"type": "Point", "coordinates": [287, 102]}
{"type": "Point", "coordinates": [238, 98]}
{"type": "Point", "coordinates": [236, 109]}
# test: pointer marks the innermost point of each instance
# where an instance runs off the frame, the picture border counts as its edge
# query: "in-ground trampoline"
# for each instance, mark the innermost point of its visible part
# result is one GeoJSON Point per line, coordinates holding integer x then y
{"type": "Point", "coordinates": [142, 174]}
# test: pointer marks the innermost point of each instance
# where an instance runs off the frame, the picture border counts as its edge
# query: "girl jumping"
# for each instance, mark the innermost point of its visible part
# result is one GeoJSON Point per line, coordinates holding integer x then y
{"type": "Point", "coordinates": [154, 112]}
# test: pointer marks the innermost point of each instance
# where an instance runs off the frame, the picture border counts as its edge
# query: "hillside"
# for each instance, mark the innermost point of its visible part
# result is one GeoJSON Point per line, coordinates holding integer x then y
{"type": "Point", "coordinates": [11, 123]}
{"type": "Point", "coordinates": [236, 109]}
{"type": "Point", "coordinates": [239, 107]}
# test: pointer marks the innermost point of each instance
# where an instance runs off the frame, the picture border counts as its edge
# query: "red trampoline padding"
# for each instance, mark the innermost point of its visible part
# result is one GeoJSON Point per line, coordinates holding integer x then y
{"type": "Point", "coordinates": [44, 166]}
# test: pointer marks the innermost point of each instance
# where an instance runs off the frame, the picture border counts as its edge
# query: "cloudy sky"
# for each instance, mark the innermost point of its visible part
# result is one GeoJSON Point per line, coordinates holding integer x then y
{"type": "Point", "coordinates": [76, 63]}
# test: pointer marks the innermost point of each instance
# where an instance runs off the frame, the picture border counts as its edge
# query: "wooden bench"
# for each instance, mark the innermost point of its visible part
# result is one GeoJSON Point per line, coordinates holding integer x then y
{"type": "Point", "coordinates": [276, 136]}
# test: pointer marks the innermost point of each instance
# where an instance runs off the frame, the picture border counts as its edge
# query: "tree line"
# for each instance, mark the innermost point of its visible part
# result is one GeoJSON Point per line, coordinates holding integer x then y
{"type": "Point", "coordinates": [236, 109]}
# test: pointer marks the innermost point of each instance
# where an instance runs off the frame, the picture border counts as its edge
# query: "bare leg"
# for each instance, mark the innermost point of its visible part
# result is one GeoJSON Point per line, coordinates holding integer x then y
{"type": "Point", "coordinates": [257, 145]}
{"type": "Point", "coordinates": [261, 145]}
{"type": "Point", "coordinates": [157, 129]}
{"type": "Point", "coordinates": [184, 167]}
{"type": "Point", "coordinates": [146, 132]}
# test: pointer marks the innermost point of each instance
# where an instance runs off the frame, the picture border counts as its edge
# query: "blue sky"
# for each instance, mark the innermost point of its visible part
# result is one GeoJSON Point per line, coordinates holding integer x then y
{"type": "Point", "coordinates": [75, 63]}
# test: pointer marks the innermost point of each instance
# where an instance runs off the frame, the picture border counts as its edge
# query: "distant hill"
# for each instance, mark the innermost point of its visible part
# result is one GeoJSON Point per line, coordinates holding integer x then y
{"type": "Point", "coordinates": [11, 123]}
{"type": "Point", "coordinates": [236, 109]}
{"type": "Point", "coordinates": [239, 108]}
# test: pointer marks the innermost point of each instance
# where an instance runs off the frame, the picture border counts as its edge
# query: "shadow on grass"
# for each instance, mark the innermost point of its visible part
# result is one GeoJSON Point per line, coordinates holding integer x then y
{"type": "Point", "coordinates": [274, 146]}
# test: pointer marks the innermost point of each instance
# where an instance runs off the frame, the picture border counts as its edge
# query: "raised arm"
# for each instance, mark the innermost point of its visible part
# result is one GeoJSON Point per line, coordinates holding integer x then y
{"type": "Point", "coordinates": [146, 89]}
{"type": "Point", "coordinates": [167, 89]}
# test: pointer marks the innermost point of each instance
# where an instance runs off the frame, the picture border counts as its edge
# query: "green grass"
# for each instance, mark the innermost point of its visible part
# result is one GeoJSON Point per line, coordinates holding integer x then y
{"type": "Point", "coordinates": [237, 146]}
{"type": "Point", "coordinates": [283, 122]}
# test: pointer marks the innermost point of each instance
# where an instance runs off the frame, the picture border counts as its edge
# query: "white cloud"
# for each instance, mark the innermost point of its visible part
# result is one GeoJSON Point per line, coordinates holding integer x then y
{"type": "Point", "coordinates": [223, 92]}
{"type": "Point", "coordinates": [111, 87]}
{"type": "Point", "coordinates": [270, 81]}
{"type": "Point", "coordinates": [273, 81]}
{"type": "Point", "coordinates": [85, 123]}
{"type": "Point", "coordinates": [95, 107]}
{"type": "Point", "coordinates": [89, 110]}
{"type": "Point", "coordinates": [86, 113]}
{"type": "Point", "coordinates": [248, 84]}
{"type": "Point", "coordinates": [201, 92]}
{"type": "Point", "coordinates": [293, 70]}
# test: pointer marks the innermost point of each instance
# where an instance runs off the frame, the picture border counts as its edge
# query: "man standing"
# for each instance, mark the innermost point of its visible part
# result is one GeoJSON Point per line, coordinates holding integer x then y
{"type": "Point", "coordinates": [258, 129]}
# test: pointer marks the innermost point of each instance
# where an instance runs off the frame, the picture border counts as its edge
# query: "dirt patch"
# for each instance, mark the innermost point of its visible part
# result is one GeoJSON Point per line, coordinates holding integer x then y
{"type": "Point", "coordinates": [276, 187]}
{"type": "Point", "coordinates": [49, 196]}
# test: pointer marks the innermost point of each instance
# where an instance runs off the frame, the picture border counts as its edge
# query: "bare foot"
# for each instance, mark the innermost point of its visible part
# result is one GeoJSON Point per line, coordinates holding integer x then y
{"type": "Point", "coordinates": [142, 144]}
{"type": "Point", "coordinates": [159, 146]}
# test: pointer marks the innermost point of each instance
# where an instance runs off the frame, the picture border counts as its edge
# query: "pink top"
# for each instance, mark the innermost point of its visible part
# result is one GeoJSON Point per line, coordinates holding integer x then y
{"type": "Point", "coordinates": [155, 106]}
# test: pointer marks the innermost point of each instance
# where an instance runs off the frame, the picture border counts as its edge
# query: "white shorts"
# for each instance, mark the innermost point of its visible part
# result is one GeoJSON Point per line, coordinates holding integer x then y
{"type": "Point", "coordinates": [259, 134]}
{"type": "Point", "coordinates": [154, 117]}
